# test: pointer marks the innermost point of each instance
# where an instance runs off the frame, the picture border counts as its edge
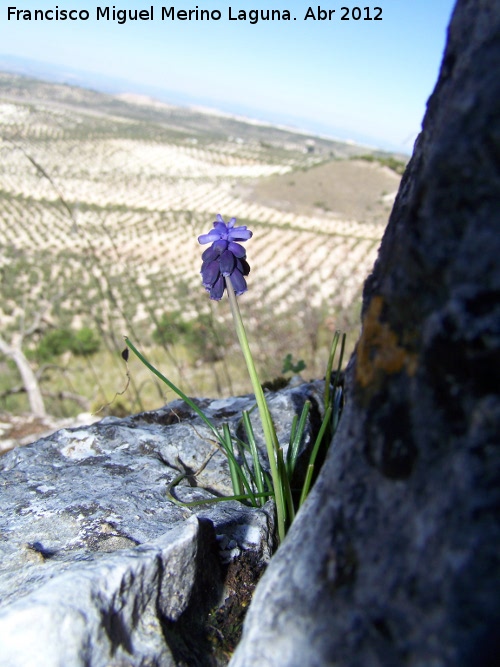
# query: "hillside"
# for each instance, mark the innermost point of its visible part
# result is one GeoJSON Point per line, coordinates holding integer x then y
{"type": "Point", "coordinates": [101, 201]}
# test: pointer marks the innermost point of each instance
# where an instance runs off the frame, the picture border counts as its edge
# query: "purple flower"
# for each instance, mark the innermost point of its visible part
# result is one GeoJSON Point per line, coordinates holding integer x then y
{"type": "Point", "coordinates": [224, 258]}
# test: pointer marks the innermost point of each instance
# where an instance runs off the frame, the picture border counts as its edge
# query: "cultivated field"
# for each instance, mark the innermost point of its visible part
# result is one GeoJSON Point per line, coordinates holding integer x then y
{"type": "Point", "coordinates": [101, 201]}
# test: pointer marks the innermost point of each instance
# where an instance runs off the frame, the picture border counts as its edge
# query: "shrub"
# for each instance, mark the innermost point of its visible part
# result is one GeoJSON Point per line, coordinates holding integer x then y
{"type": "Point", "coordinates": [200, 335]}
{"type": "Point", "coordinates": [390, 161]}
{"type": "Point", "coordinates": [54, 343]}
{"type": "Point", "coordinates": [171, 329]}
{"type": "Point", "coordinates": [85, 341]}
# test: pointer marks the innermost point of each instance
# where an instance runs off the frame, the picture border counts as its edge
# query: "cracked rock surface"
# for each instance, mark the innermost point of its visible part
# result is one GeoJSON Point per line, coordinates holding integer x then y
{"type": "Point", "coordinates": [99, 568]}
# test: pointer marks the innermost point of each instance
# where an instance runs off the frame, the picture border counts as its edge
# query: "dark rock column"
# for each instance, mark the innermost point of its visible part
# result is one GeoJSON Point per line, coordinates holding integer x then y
{"type": "Point", "coordinates": [395, 559]}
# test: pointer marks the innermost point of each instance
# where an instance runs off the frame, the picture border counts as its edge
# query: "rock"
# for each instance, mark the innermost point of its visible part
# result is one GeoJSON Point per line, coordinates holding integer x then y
{"type": "Point", "coordinates": [108, 610]}
{"type": "Point", "coordinates": [18, 430]}
{"type": "Point", "coordinates": [395, 558]}
{"type": "Point", "coordinates": [99, 568]}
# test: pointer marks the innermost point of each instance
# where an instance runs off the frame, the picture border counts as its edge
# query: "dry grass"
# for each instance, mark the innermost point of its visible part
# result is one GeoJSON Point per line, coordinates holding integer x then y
{"type": "Point", "coordinates": [340, 189]}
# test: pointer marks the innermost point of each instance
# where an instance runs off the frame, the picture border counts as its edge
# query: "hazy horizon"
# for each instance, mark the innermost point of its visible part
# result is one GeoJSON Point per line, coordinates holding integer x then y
{"type": "Point", "coordinates": [51, 73]}
{"type": "Point", "coordinates": [361, 80]}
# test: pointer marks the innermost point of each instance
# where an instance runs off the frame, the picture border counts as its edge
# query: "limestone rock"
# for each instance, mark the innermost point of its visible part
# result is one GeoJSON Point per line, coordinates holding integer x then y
{"type": "Point", "coordinates": [23, 429]}
{"type": "Point", "coordinates": [99, 568]}
{"type": "Point", "coordinates": [395, 558]}
{"type": "Point", "coordinates": [106, 610]}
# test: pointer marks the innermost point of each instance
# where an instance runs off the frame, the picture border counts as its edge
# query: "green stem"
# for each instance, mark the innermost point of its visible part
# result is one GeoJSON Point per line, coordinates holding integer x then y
{"type": "Point", "coordinates": [265, 416]}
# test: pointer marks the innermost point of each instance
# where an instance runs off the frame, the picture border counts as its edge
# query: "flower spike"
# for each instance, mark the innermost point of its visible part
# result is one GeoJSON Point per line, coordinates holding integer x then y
{"type": "Point", "coordinates": [224, 258]}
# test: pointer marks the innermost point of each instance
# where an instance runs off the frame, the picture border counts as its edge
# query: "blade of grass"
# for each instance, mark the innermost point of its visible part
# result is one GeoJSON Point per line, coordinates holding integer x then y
{"type": "Point", "coordinates": [314, 453]}
{"type": "Point", "coordinates": [307, 484]}
{"type": "Point", "coordinates": [178, 391]}
{"type": "Point", "coordinates": [329, 367]}
{"type": "Point", "coordinates": [233, 464]}
{"type": "Point", "coordinates": [258, 476]}
{"type": "Point", "coordinates": [341, 357]}
{"type": "Point", "coordinates": [220, 437]}
{"type": "Point", "coordinates": [286, 490]}
{"type": "Point", "coordinates": [293, 430]}
{"type": "Point", "coordinates": [219, 499]}
{"type": "Point", "coordinates": [293, 449]}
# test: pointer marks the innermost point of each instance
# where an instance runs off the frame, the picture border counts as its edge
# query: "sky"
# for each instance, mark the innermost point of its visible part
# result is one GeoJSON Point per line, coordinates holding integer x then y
{"type": "Point", "coordinates": [364, 80]}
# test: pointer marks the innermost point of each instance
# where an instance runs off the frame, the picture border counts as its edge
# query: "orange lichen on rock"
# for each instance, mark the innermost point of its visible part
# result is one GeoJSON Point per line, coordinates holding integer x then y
{"type": "Point", "coordinates": [378, 351]}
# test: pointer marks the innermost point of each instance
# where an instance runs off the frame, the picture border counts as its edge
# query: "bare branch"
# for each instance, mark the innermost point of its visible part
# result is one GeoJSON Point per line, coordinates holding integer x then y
{"type": "Point", "coordinates": [28, 377]}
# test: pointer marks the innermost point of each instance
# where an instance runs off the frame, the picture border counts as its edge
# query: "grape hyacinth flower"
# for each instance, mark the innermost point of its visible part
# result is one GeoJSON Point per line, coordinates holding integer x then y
{"type": "Point", "coordinates": [224, 258]}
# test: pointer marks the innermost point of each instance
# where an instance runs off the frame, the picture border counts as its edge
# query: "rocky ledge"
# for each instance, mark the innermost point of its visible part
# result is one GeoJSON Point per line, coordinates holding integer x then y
{"type": "Point", "coordinates": [98, 567]}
